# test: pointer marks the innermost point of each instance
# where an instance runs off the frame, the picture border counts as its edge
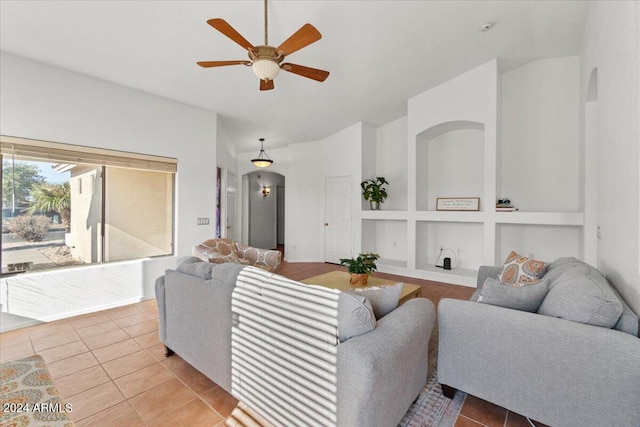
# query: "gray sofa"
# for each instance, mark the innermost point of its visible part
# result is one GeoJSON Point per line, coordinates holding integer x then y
{"type": "Point", "coordinates": [557, 371]}
{"type": "Point", "coordinates": [379, 373]}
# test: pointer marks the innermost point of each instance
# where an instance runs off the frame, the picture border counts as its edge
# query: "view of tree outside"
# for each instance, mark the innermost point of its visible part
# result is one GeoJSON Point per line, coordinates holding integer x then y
{"type": "Point", "coordinates": [46, 197]}
{"type": "Point", "coordinates": [36, 212]}
{"type": "Point", "coordinates": [18, 179]}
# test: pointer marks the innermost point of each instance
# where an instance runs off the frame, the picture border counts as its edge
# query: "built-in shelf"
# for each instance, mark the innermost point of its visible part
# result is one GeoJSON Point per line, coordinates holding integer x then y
{"type": "Point", "coordinates": [463, 142]}
{"type": "Point", "coordinates": [541, 218]}
{"type": "Point", "coordinates": [382, 214]}
{"type": "Point", "coordinates": [458, 276]}
{"type": "Point", "coordinates": [391, 262]}
{"type": "Point", "coordinates": [450, 216]}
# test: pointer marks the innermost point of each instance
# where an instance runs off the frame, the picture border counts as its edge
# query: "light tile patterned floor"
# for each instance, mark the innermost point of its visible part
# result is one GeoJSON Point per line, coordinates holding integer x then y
{"type": "Point", "coordinates": [111, 366]}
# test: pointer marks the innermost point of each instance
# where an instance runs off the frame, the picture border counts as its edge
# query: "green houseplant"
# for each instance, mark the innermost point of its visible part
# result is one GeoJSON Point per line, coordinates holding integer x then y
{"type": "Point", "coordinates": [360, 267]}
{"type": "Point", "coordinates": [374, 192]}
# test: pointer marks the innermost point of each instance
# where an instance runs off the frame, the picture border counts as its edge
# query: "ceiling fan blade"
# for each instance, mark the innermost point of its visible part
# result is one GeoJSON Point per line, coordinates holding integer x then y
{"type": "Point", "coordinates": [306, 35]}
{"type": "Point", "coordinates": [207, 64]}
{"type": "Point", "coordinates": [266, 84]}
{"type": "Point", "coordinates": [311, 73]}
{"type": "Point", "coordinates": [226, 29]}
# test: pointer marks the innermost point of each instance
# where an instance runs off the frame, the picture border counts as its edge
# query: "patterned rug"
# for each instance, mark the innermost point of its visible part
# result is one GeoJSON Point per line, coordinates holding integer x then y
{"type": "Point", "coordinates": [28, 396]}
{"type": "Point", "coordinates": [432, 408]}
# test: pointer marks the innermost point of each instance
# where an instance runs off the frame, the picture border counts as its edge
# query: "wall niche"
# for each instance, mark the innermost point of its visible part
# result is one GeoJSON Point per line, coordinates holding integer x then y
{"type": "Point", "coordinates": [449, 163]}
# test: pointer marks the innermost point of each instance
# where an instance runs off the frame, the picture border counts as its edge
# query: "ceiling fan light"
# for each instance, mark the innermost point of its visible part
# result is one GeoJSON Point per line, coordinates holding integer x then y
{"type": "Point", "coordinates": [265, 69]}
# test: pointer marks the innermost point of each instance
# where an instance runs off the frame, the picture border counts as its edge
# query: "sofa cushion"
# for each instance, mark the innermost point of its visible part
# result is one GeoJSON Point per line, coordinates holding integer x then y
{"type": "Point", "coordinates": [525, 298]}
{"type": "Point", "coordinates": [383, 299]}
{"type": "Point", "coordinates": [560, 266]}
{"type": "Point", "coordinates": [195, 267]}
{"type": "Point", "coordinates": [519, 270]}
{"type": "Point", "coordinates": [583, 295]}
{"type": "Point", "coordinates": [355, 316]}
{"type": "Point", "coordinates": [628, 322]}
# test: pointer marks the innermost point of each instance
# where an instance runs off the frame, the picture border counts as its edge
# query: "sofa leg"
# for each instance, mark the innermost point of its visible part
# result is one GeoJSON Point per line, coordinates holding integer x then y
{"type": "Point", "coordinates": [448, 391]}
{"type": "Point", "coordinates": [167, 351]}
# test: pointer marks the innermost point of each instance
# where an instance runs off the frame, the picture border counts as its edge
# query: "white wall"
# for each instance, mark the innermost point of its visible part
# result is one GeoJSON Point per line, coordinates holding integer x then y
{"type": "Point", "coordinates": [612, 45]}
{"type": "Point", "coordinates": [48, 103]}
{"type": "Point", "coordinates": [336, 155]}
{"type": "Point", "coordinates": [305, 166]}
{"type": "Point", "coordinates": [226, 152]}
{"type": "Point", "coordinates": [391, 151]}
{"type": "Point", "coordinates": [538, 159]}
{"type": "Point", "coordinates": [469, 102]}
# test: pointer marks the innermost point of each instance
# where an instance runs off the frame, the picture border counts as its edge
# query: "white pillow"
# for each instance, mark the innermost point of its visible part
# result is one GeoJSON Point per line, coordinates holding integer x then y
{"type": "Point", "coordinates": [383, 299]}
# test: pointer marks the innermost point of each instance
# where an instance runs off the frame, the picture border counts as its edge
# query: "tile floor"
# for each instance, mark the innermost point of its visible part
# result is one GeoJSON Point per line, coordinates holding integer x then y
{"type": "Point", "coordinates": [111, 366]}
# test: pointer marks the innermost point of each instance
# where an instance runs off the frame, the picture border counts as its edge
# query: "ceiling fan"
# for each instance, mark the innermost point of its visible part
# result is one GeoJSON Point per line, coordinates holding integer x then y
{"type": "Point", "coordinates": [265, 60]}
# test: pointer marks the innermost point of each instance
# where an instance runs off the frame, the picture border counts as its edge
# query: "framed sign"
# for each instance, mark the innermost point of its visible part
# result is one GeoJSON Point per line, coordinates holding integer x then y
{"type": "Point", "coordinates": [458, 204]}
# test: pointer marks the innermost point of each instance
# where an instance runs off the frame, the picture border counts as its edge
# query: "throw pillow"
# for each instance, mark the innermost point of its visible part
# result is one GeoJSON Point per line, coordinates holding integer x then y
{"type": "Point", "coordinates": [218, 258]}
{"type": "Point", "coordinates": [525, 298]}
{"type": "Point", "coordinates": [195, 267]}
{"type": "Point", "coordinates": [519, 270]}
{"type": "Point", "coordinates": [383, 299]}
{"type": "Point", "coordinates": [583, 295]}
{"type": "Point", "coordinates": [355, 316]}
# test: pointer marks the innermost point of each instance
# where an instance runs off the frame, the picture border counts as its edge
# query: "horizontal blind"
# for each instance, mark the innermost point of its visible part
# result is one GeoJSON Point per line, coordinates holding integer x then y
{"type": "Point", "coordinates": [31, 149]}
{"type": "Point", "coordinates": [284, 349]}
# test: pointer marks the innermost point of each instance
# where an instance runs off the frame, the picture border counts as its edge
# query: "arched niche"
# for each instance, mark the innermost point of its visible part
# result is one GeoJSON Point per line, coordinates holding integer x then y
{"type": "Point", "coordinates": [449, 162]}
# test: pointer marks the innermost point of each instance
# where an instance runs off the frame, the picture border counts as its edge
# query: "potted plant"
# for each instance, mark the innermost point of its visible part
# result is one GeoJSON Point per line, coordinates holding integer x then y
{"type": "Point", "coordinates": [360, 267]}
{"type": "Point", "coordinates": [374, 192]}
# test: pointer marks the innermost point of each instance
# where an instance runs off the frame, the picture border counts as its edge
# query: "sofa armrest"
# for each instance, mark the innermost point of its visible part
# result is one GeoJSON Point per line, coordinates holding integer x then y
{"type": "Point", "coordinates": [380, 373]}
{"type": "Point", "coordinates": [553, 370]}
{"type": "Point", "coordinates": [486, 271]}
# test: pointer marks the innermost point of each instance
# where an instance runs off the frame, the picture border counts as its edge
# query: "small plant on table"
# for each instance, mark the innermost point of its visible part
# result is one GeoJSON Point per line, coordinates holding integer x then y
{"type": "Point", "coordinates": [361, 266]}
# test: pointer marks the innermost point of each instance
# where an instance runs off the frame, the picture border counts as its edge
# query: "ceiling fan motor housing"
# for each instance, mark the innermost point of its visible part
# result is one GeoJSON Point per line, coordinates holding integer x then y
{"type": "Point", "coordinates": [266, 61]}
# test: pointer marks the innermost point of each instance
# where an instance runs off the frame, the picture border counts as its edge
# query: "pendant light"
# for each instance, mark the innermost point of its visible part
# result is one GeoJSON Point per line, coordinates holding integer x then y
{"type": "Point", "coordinates": [262, 161]}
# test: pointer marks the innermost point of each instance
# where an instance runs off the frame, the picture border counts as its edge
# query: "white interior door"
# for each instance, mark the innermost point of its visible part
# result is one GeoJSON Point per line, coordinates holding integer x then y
{"type": "Point", "coordinates": [232, 206]}
{"type": "Point", "coordinates": [337, 218]}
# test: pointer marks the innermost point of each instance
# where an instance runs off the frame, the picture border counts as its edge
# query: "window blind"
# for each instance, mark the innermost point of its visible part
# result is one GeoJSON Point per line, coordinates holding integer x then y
{"type": "Point", "coordinates": [31, 149]}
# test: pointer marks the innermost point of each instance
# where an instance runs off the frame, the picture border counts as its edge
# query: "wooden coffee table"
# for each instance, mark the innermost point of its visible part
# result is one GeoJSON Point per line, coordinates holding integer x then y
{"type": "Point", "coordinates": [340, 280]}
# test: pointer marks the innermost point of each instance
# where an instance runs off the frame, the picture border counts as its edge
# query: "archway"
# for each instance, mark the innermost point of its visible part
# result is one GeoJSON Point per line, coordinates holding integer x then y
{"type": "Point", "coordinates": [264, 213]}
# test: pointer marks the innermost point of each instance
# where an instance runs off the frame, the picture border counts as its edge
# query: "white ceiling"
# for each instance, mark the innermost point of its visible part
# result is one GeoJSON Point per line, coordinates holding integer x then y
{"type": "Point", "coordinates": [379, 53]}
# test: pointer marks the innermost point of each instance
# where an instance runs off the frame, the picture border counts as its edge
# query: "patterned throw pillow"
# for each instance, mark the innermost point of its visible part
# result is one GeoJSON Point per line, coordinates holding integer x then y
{"type": "Point", "coordinates": [218, 258]}
{"type": "Point", "coordinates": [519, 271]}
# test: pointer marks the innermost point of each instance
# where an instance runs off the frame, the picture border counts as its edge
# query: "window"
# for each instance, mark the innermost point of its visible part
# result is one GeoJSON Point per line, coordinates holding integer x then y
{"type": "Point", "coordinates": [67, 205]}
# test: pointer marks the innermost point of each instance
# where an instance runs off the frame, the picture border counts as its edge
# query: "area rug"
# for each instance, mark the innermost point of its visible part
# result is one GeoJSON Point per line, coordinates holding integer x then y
{"type": "Point", "coordinates": [432, 409]}
{"type": "Point", "coordinates": [28, 396]}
